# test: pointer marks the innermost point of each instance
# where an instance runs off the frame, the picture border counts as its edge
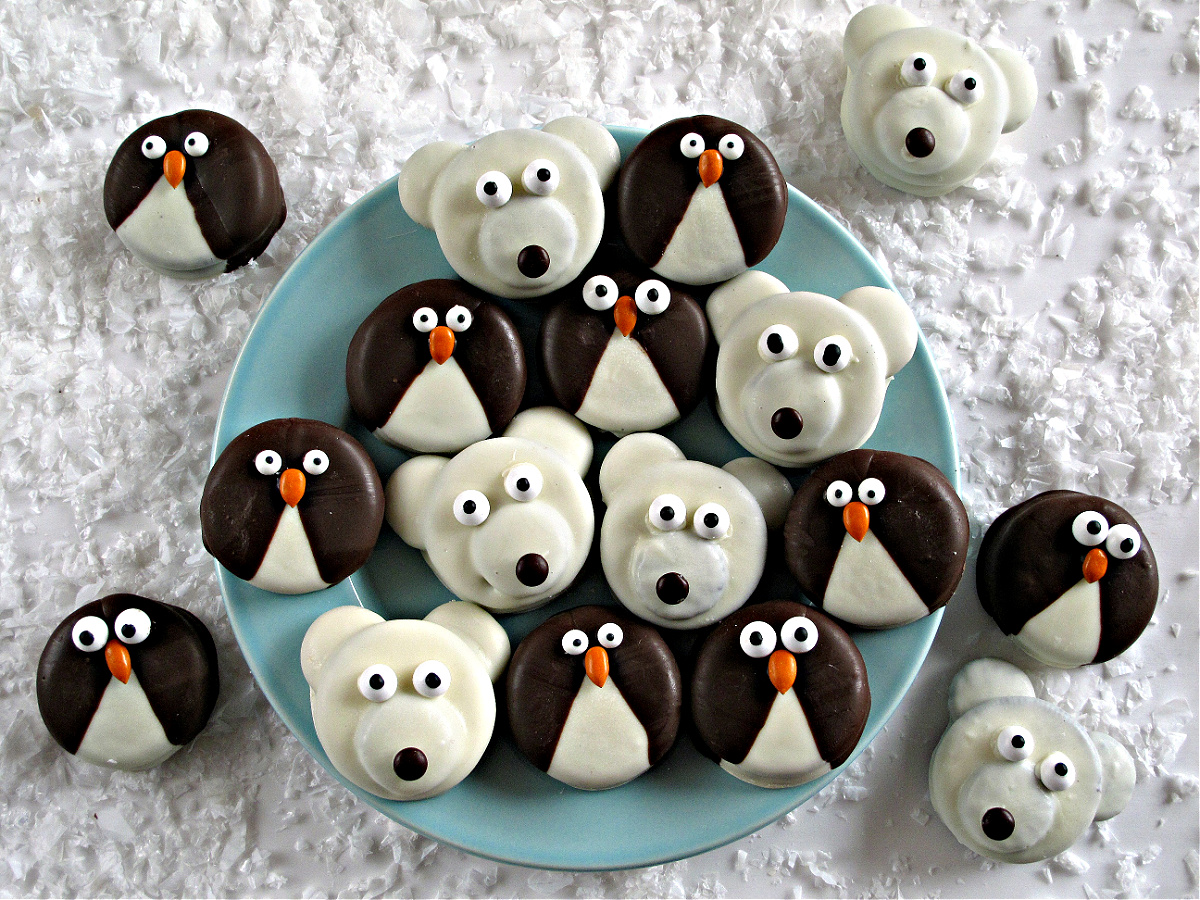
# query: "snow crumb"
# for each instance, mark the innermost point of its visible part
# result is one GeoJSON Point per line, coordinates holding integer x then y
{"type": "Point", "coordinates": [1069, 50]}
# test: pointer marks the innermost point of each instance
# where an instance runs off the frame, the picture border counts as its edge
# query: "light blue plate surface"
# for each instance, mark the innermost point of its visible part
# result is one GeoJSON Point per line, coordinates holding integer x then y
{"type": "Point", "coordinates": [293, 364]}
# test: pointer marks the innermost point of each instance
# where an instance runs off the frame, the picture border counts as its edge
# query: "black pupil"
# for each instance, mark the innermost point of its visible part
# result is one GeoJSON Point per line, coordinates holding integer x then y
{"type": "Point", "coordinates": [691, 143]}
{"type": "Point", "coordinates": [870, 495]}
{"type": "Point", "coordinates": [376, 682]}
{"type": "Point", "coordinates": [192, 141]}
{"type": "Point", "coordinates": [577, 643]}
{"type": "Point", "coordinates": [432, 681]}
{"type": "Point", "coordinates": [128, 630]}
{"type": "Point", "coordinates": [490, 188]}
{"type": "Point", "coordinates": [774, 343]}
{"type": "Point", "coordinates": [1018, 741]}
{"type": "Point", "coordinates": [1060, 769]}
{"type": "Point", "coordinates": [1127, 545]}
{"type": "Point", "coordinates": [609, 638]}
{"type": "Point", "coordinates": [543, 174]}
{"type": "Point", "coordinates": [802, 634]}
{"type": "Point", "coordinates": [969, 84]}
{"type": "Point", "coordinates": [522, 484]}
{"type": "Point", "coordinates": [468, 506]}
{"type": "Point", "coordinates": [919, 64]}
{"type": "Point", "coordinates": [667, 514]}
{"type": "Point", "coordinates": [601, 290]}
{"type": "Point", "coordinates": [652, 295]}
{"type": "Point", "coordinates": [87, 638]}
{"type": "Point", "coordinates": [831, 355]}
{"type": "Point", "coordinates": [1093, 527]}
{"type": "Point", "coordinates": [756, 638]}
{"type": "Point", "coordinates": [712, 520]}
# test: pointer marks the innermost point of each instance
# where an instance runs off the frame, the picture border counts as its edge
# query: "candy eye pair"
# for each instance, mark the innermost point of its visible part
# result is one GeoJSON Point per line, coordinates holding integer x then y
{"type": "Point", "coordinates": [540, 178]}
{"type": "Point", "coordinates": [268, 462]}
{"type": "Point", "coordinates": [669, 513]}
{"type": "Point", "coordinates": [195, 144]}
{"type": "Point", "coordinates": [378, 683]}
{"type": "Point", "coordinates": [91, 632]}
{"type": "Point", "coordinates": [870, 492]}
{"type": "Point", "coordinates": [780, 342]}
{"type": "Point", "coordinates": [1056, 771]}
{"type": "Point", "coordinates": [920, 70]}
{"type": "Point", "coordinates": [652, 296]}
{"type": "Point", "coordinates": [523, 482]}
{"type": "Point", "coordinates": [1091, 529]}
{"type": "Point", "coordinates": [730, 147]}
{"type": "Point", "coordinates": [458, 319]}
{"type": "Point", "coordinates": [575, 641]}
{"type": "Point", "coordinates": [798, 634]}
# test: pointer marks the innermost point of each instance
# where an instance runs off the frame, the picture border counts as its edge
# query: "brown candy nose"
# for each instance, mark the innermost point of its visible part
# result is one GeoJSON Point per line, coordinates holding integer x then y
{"type": "Point", "coordinates": [787, 423]}
{"type": "Point", "coordinates": [410, 764]}
{"type": "Point", "coordinates": [920, 142]}
{"type": "Point", "coordinates": [533, 261]}
{"type": "Point", "coordinates": [672, 588]}
{"type": "Point", "coordinates": [532, 569]}
{"type": "Point", "coordinates": [998, 823]}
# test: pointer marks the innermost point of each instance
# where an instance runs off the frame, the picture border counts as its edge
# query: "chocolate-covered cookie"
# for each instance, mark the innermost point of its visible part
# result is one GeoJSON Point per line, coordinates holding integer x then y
{"type": "Point", "coordinates": [877, 539]}
{"type": "Point", "coordinates": [194, 194]}
{"type": "Point", "coordinates": [594, 697]}
{"type": "Point", "coordinates": [1070, 576]}
{"type": "Point", "coordinates": [779, 694]}
{"type": "Point", "coordinates": [435, 368]}
{"type": "Point", "coordinates": [292, 506]}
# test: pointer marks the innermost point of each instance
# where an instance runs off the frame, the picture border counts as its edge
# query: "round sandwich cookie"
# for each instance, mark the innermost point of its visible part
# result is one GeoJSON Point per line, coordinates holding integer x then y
{"type": "Point", "coordinates": [125, 681]}
{"type": "Point", "coordinates": [701, 199]}
{"type": "Point", "coordinates": [436, 367]}
{"type": "Point", "coordinates": [594, 697]}
{"type": "Point", "coordinates": [292, 506]}
{"type": "Point", "coordinates": [1071, 577]}
{"type": "Point", "coordinates": [194, 194]}
{"type": "Point", "coordinates": [779, 694]}
{"type": "Point", "coordinates": [877, 539]}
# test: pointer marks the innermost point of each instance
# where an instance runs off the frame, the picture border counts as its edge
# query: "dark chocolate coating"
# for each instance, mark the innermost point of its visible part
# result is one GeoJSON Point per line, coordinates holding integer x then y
{"type": "Point", "coordinates": [176, 666]}
{"type": "Point", "coordinates": [732, 693]}
{"type": "Point", "coordinates": [234, 187]}
{"type": "Point", "coordinates": [387, 353]}
{"type": "Point", "coordinates": [1029, 558]}
{"type": "Point", "coordinates": [342, 508]}
{"type": "Point", "coordinates": [657, 182]}
{"type": "Point", "coordinates": [921, 522]}
{"type": "Point", "coordinates": [543, 681]}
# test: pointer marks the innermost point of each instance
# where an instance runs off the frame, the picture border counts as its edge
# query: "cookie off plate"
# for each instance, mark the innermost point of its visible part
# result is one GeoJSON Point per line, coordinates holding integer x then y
{"type": "Point", "coordinates": [293, 364]}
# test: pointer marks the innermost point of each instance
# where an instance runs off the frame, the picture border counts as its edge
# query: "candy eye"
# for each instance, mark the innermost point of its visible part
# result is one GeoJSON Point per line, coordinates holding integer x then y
{"type": "Point", "coordinates": [523, 482]}
{"type": "Point", "coordinates": [838, 494]}
{"type": "Point", "coordinates": [871, 491]}
{"type": "Point", "coordinates": [316, 462]}
{"type": "Point", "coordinates": [493, 189]}
{"type": "Point", "coordinates": [757, 640]}
{"type": "Point", "coordinates": [132, 626]}
{"type": "Point", "coordinates": [965, 87]}
{"type": "Point", "coordinates": [540, 177]}
{"type": "Point", "coordinates": [732, 146]}
{"type": "Point", "coordinates": [424, 320]}
{"type": "Point", "coordinates": [268, 462]}
{"type": "Point", "coordinates": [692, 145]}
{"type": "Point", "coordinates": [778, 343]}
{"type": "Point", "coordinates": [431, 679]}
{"type": "Point", "coordinates": [196, 144]}
{"type": "Point", "coordinates": [918, 70]}
{"type": "Point", "coordinates": [377, 683]}
{"type": "Point", "coordinates": [711, 521]}
{"type": "Point", "coordinates": [471, 508]}
{"type": "Point", "coordinates": [459, 318]}
{"type": "Point", "coordinates": [668, 513]}
{"type": "Point", "coordinates": [799, 634]}
{"type": "Point", "coordinates": [1090, 528]}
{"type": "Point", "coordinates": [574, 642]}
{"type": "Point", "coordinates": [832, 354]}
{"type": "Point", "coordinates": [1123, 541]}
{"type": "Point", "coordinates": [154, 147]}
{"type": "Point", "coordinates": [600, 292]}
{"type": "Point", "coordinates": [652, 297]}
{"type": "Point", "coordinates": [1015, 743]}
{"type": "Point", "coordinates": [90, 633]}
{"type": "Point", "coordinates": [611, 635]}
{"type": "Point", "coordinates": [1056, 772]}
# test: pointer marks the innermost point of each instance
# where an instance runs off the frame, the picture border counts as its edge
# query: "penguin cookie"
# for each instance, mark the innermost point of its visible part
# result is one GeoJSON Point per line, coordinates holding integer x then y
{"type": "Point", "coordinates": [877, 539]}
{"type": "Point", "coordinates": [435, 367]}
{"type": "Point", "coordinates": [625, 351]}
{"type": "Point", "coordinates": [292, 506]}
{"type": "Point", "coordinates": [125, 681]}
{"type": "Point", "coordinates": [1071, 577]}
{"type": "Point", "coordinates": [193, 194]}
{"type": "Point", "coordinates": [594, 697]}
{"type": "Point", "coordinates": [700, 200]}
{"type": "Point", "coordinates": [779, 694]}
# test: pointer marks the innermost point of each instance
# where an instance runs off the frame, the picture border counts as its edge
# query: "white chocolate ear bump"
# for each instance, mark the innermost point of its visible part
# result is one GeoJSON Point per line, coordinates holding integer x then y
{"type": "Point", "coordinates": [986, 679]}
{"type": "Point", "coordinates": [594, 140]}
{"type": "Point", "coordinates": [869, 25]}
{"type": "Point", "coordinates": [478, 629]}
{"type": "Point", "coordinates": [769, 486]}
{"type": "Point", "coordinates": [406, 494]}
{"type": "Point", "coordinates": [892, 320]}
{"type": "Point", "coordinates": [737, 295]}
{"type": "Point", "coordinates": [417, 176]}
{"type": "Point", "coordinates": [632, 454]}
{"type": "Point", "coordinates": [558, 430]}
{"type": "Point", "coordinates": [1022, 85]}
{"type": "Point", "coordinates": [328, 632]}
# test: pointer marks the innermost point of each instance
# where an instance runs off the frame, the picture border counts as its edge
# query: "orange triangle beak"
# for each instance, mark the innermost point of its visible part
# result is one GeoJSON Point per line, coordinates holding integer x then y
{"type": "Point", "coordinates": [857, 519]}
{"type": "Point", "coordinates": [595, 663]}
{"type": "Point", "coordinates": [711, 166]}
{"type": "Point", "coordinates": [625, 315]}
{"type": "Point", "coordinates": [441, 344]}
{"type": "Point", "coordinates": [1095, 564]}
{"type": "Point", "coordinates": [291, 485]}
{"type": "Point", "coordinates": [116, 655]}
{"type": "Point", "coordinates": [174, 165]}
{"type": "Point", "coordinates": [781, 669]}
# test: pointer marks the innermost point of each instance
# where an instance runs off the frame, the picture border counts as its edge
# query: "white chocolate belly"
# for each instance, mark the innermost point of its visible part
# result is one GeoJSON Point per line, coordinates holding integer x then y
{"type": "Point", "coordinates": [124, 731]}
{"type": "Point", "coordinates": [1067, 632]}
{"type": "Point", "coordinates": [785, 753]}
{"type": "Point", "coordinates": [439, 413]}
{"type": "Point", "coordinates": [289, 566]}
{"type": "Point", "coordinates": [867, 588]}
{"type": "Point", "coordinates": [163, 233]}
{"type": "Point", "coordinates": [705, 247]}
{"type": "Point", "coordinates": [602, 743]}
{"type": "Point", "coordinates": [626, 393]}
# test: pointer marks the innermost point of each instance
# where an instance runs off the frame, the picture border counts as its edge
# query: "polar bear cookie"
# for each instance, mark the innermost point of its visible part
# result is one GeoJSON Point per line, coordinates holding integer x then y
{"type": "Point", "coordinates": [683, 543]}
{"type": "Point", "coordinates": [924, 107]}
{"type": "Point", "coordinates": [1014, 778]}
{"type": "Point", "coordinates": [508, 522]}
{"type": "Point", "coordinates": [405, 708]}
{"type": "Point", "coordinates": [801, 376]}
{"type": "Point", "coordinates": [520, 212]}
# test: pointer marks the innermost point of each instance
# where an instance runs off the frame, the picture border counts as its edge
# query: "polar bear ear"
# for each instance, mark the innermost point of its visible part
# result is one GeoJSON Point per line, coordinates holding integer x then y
{"type": "Point", "coordinates": [630, 455]}
{"type": "Point", "coordinates": [892, 320]}
{"type": "Point", "coordinates": [418, 175]}
{"type": "Point", "coordinates": [407, 497]}
{"type": "Point", "coordinates": [597, 144]}
{"type": "Point", "coordinates": [327, 633]}
{"type": "Point", "coordinates": [1022, 86]}
{"type": "Point", "coordinates": [737, 295]}
{"type": "Point", "coordinates": [479, 630]}
{"type": "Point", "coordinates": [558, 430]}
{"type": "Point", "coordinates": [869, 25]}
{"type": "Point", "coordinates": [1118, 775]}
{"type": "Point", "coordinates": [769, 486]}
{"type": "Point", "coordinates": [986, 679]}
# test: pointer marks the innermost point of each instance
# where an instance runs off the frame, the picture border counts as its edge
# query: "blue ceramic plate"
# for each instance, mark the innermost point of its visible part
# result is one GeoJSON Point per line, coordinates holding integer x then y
{"type": "Point", "coordinates": [293, 364]}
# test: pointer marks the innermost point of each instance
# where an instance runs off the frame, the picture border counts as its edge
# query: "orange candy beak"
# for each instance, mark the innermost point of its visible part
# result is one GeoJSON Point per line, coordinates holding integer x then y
{"type": "Point", "coordinates": [174, 165]}
{"type": "Point", "coordinates": [625, 315]}
{"type": "Point", "coordinates": [291, 486]}
{"type": "Point", "coordinates": [116, 655]}
{"type": "Point", "coordinates": [781, 669]}
{"type": "Point", "coordinates": [441, 344]}
{"type": "Point", "coordinates": [857, 519]}
{"type": "Point", "coordinates": [595, 663]}
{"type": "Point", "coordinates": [711, 166]}
{"type": "Point", "coordinates": [1095, 564]}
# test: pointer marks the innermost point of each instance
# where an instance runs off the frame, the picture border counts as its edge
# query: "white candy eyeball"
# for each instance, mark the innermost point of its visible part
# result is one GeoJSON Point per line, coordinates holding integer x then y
{"type": "Point", "coordinates": [459, 318]}
{"type": "Point", "coordinates": [799, 634]}
{"type": "Point", "coordinates": [1015, 743]}
{"type": "Point", "coordinates": [832, 354]}
{"type": "Point", "coordinates": [918, 70]}
{"type": "Point", "coordinates": [132, 626]}
{"type": "Point", "coordinates": [711, 521]}
{"type": "Point", "coordinates": [652, 297]}
{"type": "Point", "coordinates": [692, 145]}
{"type": "Point", "coordinates": [377, 683]}
{"type": "Point", "coordinates": [316, 462]}
{"type": "Point", "coordinates": [493, 189]}
{"type": "Point", "coordinates": [424, 320]}
{"type": "Point", "coordinates": [471, 508]}
{"type": "Point", "coordinates": [871, 491]}
{"type": "Point", "coordinates": [757, 640]}
{"type": "Point", "coordinates": [196, 144]}
{"type": "Point", "coordinates": [574, 642]}
{"type": "Point", "coordinates": [523, 482]}
{"type": "Point", "coordinates": [731, 146]}
{"type": "Point", "coordinates": [600, 292]}
{"type": "Point", "coordinates": [1056, 772]}
{"type": "Point", "coordinates": [154, 147]}
{"type": "Point", "coordinates": [1123, 541]}
{"type": "Point", "coordinates": [611, 635]}
{"type": "Point", "coordinates": [777, 343]}
{"type": "Point", "coordinates": [838, 494]}
{"type": "Point", "coordinates": [540, 177]}
{"type": "Point", "coordinates": [90, 633]}
{"type": "Point", "coordinates": [1090, 528]}
{"type": "Point", "coordinates": [431, 679]}
{"type": "Point", "coordinates": [668, 513]}
{"type": "Point", "coordinates": [268, 462]}
{"type": "Point", "coordinates": [965, 87]}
